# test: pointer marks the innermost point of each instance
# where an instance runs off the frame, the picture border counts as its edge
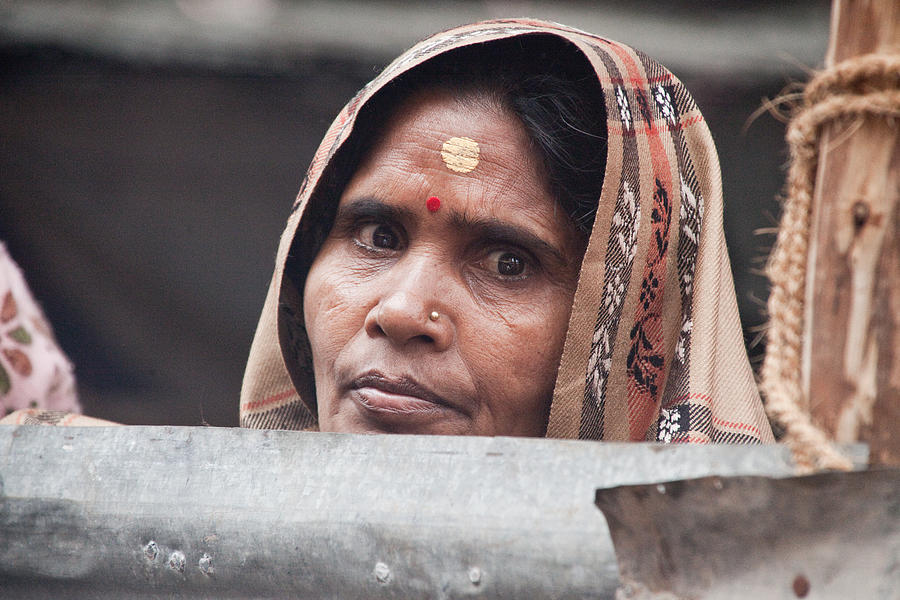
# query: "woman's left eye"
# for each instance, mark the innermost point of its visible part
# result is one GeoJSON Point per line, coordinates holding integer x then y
{"type": "Point", "coordinates": [380, 236]}
{"type": "Point", "coordinates": [506, 263]}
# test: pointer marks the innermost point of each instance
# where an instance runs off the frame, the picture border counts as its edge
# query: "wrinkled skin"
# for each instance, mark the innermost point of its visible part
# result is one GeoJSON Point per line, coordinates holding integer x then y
{"type": "Point", "coordinates": [498, 261]}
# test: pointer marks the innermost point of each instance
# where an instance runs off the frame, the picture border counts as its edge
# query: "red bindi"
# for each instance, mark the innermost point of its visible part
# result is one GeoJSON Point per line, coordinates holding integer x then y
{"type": "Point", "coordinates": [433, 203]}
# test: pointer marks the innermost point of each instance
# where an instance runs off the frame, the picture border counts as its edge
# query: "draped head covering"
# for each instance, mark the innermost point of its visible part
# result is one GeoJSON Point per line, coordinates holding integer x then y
{"type": "Point", "coordinates": [654, 349]}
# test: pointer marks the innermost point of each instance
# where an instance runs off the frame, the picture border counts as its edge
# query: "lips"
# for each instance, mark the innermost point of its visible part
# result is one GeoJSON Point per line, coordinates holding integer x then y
{"type": "Point", "coordinates": [403, 394]}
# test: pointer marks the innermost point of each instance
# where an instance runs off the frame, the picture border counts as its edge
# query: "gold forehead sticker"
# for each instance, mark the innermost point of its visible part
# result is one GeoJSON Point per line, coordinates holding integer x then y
{"type": "Point", "coordinates": [460, 154]}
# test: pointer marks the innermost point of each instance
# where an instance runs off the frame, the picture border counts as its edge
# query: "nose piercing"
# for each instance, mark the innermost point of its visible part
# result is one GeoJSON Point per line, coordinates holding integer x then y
{"type": "Point", "coordinates": [434, 316]}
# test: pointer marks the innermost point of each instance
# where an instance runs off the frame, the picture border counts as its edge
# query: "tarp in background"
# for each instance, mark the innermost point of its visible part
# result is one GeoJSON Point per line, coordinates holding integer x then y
{"type": "Point", "coordinates": [146, 167]}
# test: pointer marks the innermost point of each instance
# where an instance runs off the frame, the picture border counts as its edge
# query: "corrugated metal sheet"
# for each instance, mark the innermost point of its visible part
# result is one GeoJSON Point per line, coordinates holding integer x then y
{"type": "Point", "coordinates": [206, 512]}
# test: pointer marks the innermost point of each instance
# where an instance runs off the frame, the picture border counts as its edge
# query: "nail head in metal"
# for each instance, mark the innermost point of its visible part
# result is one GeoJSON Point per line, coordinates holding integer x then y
{"type": "Point", "coordinates": [475, 575]}
{"type": "Point", "coordinates": [382, 572]}
{"type": "Point", "coordinates": [205, 565]}
{"type": "Point", "coordinates": [801, 586]}
{"type": "Point", "coordinates": [151, 550]}
{"type": "Point", "coordinates": [434, 316]}
{"type": "Point", "coordinates": [176, 561]}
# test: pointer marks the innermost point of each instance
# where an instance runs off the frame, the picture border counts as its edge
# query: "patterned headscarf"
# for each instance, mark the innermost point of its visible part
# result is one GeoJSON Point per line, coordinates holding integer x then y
{"type": "Point", "coordinates": [654, 349]}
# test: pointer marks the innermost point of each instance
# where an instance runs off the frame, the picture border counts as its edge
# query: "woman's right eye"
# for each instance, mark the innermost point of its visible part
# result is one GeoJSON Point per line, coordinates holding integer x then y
{"type": "Point", "coordinates": [380, 236]}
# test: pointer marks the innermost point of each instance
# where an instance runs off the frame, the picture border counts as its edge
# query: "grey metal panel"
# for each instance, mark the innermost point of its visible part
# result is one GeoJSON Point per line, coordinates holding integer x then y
{"type": "Point", "coordinates": [830, 535]}
{"type": "Point", "coordinates": [242, 513]}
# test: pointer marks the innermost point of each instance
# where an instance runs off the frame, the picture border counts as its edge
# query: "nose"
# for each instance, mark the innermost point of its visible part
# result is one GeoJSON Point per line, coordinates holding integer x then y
{"type": "Point", "coordinates": [413, 295]}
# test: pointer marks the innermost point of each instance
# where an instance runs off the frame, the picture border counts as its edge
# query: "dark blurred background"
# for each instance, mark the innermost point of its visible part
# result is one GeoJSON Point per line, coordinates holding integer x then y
{"type": "Point", "coordinates": [150, 151]}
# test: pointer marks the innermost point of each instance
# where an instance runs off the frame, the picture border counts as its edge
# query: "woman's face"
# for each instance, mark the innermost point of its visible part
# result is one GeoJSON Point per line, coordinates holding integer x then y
{"type": "Point", "coordinates": [497, 261]}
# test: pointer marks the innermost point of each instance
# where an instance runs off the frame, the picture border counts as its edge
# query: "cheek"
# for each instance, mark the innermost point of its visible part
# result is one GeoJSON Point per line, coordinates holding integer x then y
{"type": "Point", "coordinates": [545, 333]}
{"type": "Point", "coordinates": [334, 306]}
{"type": "Point", "coordinates": [518, 368]}
{"type": "Point", "coordinates": [535, 330]}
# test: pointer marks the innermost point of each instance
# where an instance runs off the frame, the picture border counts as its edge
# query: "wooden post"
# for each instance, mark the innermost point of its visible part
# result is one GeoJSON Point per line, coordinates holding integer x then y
{"type": "Point", "coordinates": [851, 365]}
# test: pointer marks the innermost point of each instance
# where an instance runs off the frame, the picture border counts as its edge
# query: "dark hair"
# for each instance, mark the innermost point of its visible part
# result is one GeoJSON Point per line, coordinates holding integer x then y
{"type": "Point", "coordinates": [570, 138]}
{"type": "Point", "coordinates": [545, 82]}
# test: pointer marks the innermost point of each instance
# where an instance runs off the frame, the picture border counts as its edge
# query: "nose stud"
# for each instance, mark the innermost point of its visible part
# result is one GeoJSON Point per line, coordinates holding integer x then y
{"type": "Point", "coordinates": [434, 316]}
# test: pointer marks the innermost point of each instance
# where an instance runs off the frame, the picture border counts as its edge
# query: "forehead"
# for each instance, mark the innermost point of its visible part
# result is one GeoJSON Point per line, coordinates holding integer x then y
{"type": "Point", "coordinates": [472, 147]}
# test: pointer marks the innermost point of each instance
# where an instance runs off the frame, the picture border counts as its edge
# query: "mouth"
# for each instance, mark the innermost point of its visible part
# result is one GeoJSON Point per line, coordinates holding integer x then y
{"type": "Point", "coordinates": [399, 395]}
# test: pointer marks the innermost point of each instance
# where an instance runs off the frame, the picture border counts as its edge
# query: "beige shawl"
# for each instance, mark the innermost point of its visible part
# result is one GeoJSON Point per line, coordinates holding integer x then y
{"type": "Point", "coordinates": [654, 349]}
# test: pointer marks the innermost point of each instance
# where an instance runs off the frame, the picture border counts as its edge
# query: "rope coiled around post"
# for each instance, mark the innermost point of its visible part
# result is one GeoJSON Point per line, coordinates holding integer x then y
{"type": "Point", "coordinates": [868, 85]}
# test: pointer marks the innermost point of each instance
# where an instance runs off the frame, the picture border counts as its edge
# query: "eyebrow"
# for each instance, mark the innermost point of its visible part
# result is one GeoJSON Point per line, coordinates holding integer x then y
{"type": "Point", "coordinates": [371, 208]}
{"type": "Point", "coordinates": [495, 230]}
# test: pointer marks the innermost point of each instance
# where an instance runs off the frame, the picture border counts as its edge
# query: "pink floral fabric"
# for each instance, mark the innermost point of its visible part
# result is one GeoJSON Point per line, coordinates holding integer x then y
{"type": "Point", "coordinates": [34, 371]}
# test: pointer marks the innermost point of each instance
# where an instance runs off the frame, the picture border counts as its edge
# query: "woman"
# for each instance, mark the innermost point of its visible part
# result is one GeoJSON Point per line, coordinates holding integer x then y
{"type": "Point", "coordinates": [514, 230]}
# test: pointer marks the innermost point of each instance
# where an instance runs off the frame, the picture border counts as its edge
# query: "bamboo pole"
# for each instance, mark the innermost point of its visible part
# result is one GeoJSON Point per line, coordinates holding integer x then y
{"type": "Point", "coordinates": [851, 358]}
